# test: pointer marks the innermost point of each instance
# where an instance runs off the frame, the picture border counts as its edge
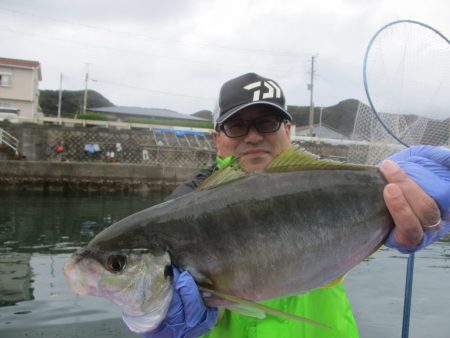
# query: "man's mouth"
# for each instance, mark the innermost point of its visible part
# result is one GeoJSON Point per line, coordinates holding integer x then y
{"type": "Point", "coordinates": [255, 151]}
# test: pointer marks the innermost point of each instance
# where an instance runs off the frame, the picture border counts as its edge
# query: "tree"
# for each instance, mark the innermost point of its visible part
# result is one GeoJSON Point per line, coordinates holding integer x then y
{"type": "Point", "coordinates": [72, 102]}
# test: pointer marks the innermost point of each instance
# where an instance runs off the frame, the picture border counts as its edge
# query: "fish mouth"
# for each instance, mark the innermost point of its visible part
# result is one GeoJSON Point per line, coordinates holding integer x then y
{"type": "Point", "coordinates": [75, 280]}
{"type": "Point", "coordinates": [70, 273]}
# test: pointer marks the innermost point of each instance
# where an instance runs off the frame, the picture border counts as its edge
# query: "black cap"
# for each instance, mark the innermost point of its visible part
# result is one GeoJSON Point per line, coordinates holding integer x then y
{"type": "Point", "coordinates": [249, 90]}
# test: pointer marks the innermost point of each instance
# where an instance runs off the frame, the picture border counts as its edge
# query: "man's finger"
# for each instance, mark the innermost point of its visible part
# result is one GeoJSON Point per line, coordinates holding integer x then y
{"type": "Point", "coordinates": [421, 204]}
{"type": "Point", "coordinates": [408, 229]}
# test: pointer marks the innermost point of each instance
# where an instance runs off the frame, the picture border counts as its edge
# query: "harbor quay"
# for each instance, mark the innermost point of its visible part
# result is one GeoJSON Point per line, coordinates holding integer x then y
{"type": "Point", "coordinates": [69, 177]}
{"type": "Point", "coordinates": [98, 159]}
{"type": "Point", "coordinates": [50, 157]}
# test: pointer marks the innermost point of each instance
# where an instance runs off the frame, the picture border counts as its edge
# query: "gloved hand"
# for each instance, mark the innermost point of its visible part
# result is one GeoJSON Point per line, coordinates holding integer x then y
{"type": "Point", "coordinates": [187, 316]}
{"type": "Point", "coordinates": [429, 167]}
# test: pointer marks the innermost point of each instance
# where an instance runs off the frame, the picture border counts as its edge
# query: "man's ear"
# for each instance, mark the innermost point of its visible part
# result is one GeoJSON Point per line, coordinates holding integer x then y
{"type": "Point", "coordinates": [216, 139]}
{"type": "Point", "coordinates": [287, 126]}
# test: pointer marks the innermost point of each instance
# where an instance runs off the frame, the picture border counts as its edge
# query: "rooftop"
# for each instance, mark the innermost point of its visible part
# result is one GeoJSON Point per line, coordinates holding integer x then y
{"type": "Point", "coordinates": [21, 64]}
{"type": "Point", "coordinates": [146, 112]}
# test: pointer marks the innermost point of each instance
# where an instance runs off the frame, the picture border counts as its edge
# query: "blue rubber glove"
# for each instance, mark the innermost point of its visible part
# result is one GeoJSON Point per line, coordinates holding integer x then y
{"type": "Point", "coordinates": [429, 167]}
{"type": "Point", "coordinates": [187, 316]}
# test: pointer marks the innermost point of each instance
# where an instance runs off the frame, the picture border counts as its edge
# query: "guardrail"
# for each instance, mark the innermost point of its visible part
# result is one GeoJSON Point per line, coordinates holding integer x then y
{"type": "Point", "coordinates": [126, 125]}
{"type": "Point", "coordinates": [107, 124]}
{"type": "Point", "coordinates": [9, 140]}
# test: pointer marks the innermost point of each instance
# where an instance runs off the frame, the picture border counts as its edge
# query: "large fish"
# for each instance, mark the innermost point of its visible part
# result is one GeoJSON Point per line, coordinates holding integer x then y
{"type": "Point", "coordinates": [298, 225]}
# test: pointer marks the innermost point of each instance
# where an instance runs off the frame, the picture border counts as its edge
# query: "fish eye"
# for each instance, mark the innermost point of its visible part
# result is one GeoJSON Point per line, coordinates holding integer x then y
{"type": "Point", "coordinates": [116, 263]}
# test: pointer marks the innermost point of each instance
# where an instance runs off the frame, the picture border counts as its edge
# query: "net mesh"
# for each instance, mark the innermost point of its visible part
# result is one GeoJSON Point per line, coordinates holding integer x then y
{"type": "Point", "coordinates": [372, 143]}
{"type": "Point", "coordinates": [407, 72]}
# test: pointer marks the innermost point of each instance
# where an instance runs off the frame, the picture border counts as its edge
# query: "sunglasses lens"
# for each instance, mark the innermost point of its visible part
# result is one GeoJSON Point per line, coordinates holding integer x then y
{"type": "Point", "coordinates": [235, 128]}
{"type": "Point", "coordinates": [263, 124]}
{"type": "Point", "coordinates": [268, 124]}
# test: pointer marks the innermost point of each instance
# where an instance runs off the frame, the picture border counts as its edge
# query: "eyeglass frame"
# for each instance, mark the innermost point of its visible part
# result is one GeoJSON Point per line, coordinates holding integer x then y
{"type": "Point", "coordinates": [251, 123]}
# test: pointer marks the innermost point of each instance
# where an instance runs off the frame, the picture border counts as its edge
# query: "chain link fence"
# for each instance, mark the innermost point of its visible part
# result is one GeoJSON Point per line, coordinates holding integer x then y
{"type": "Point", "coordinates": [163, 147]}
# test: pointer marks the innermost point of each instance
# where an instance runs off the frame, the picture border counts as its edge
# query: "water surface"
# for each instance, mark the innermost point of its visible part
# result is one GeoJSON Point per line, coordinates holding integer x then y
{"type": "Point", "coordinates": [38, 233]}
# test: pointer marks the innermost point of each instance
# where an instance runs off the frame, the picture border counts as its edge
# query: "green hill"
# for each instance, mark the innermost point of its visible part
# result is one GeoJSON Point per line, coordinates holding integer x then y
{"type": "Point", "coordinates": [340, 117]}
{"type": "Point", "coordinates": [72, 102]}
{"type": "Point", "coordinates": [204, 114]}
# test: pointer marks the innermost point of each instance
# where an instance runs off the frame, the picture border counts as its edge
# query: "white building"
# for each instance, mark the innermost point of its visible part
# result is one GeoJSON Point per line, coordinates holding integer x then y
{"type": "Point", "coordinates": [19, 87]}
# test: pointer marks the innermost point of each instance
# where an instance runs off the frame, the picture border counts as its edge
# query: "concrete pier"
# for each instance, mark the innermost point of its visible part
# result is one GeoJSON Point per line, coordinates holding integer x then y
{"type": "Point", "coordinates": [102, 177]}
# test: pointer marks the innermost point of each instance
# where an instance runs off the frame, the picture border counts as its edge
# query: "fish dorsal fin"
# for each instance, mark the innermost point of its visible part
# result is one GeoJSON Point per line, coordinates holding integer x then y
{"type": "Point", "coordinates": [230, 172]}
{"type": "Point", "coordinates": [293, 159]}
{"type": "Point", "coordinates": [259, 309]}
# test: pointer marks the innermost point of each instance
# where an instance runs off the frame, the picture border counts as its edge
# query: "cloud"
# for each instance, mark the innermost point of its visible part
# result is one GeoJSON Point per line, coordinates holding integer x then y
{"type": "Point", "coordinates": [140, 52]}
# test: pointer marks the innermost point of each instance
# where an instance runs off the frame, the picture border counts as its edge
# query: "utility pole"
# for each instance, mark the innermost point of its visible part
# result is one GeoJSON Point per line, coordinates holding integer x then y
{"type": "Point", "coordinates": [60, 95]}
{"type": "Point", "coordinates": [85, 88]}
{"type": "Point", "coordinates": [320, 123]}
{"type": "Point", "coordinates": [311, 105]}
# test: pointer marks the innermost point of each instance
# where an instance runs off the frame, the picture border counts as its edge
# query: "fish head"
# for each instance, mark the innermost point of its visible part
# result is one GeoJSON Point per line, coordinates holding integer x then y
{"type": "Point", "coordinates": [137, 281]}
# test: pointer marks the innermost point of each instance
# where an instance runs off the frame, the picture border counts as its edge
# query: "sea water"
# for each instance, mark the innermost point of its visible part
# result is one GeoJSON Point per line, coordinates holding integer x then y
{"type": "Point", "coordinates": [38, 233]}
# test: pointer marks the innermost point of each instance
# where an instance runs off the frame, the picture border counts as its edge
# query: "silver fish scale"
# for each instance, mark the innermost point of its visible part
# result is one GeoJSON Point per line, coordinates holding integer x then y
{"type": "Point", "coordinates": [266, 235]}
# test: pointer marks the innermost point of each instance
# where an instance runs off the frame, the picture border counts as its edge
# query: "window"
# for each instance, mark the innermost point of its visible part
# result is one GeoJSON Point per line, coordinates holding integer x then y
{"type": "Point", "coordinates": [5, 80]}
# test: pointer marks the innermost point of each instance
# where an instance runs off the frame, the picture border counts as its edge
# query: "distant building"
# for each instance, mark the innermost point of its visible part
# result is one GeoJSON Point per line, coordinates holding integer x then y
{"type": "Point", "coordinates": [321, 131]}
{"type": "Point", "coordinates": [119, 113]}
{"type": "Point", "coordinates": [19, 86]}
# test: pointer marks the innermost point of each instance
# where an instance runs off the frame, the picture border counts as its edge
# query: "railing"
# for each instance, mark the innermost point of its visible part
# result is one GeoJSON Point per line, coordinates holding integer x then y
{"type": "Point", "coordinates": [107, 124]}
{"type": "Point", "coordinates": [9, 140]}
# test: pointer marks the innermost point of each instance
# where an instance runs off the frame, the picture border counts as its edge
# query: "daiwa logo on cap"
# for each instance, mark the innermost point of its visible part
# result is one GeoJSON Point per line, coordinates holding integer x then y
{"type": "Point", "coordinates": [247, 90]}
{"type": "Point", "coordinates": [273, 90]}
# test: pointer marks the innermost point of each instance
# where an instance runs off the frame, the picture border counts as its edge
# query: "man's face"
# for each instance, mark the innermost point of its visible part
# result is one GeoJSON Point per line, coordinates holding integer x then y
{"type": "Point", "coordinates": [254, 149]}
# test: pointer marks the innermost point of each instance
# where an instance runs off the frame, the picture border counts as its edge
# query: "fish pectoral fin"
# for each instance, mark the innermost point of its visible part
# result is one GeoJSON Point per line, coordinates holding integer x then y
{"type": "Point", "coordinates": [254, 309]}
{"type": "Point", "coordinates": [246, 310]}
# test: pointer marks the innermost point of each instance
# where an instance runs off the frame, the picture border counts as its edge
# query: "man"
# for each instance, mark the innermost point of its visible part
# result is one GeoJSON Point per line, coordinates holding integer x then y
{"type": "Point", "coordinates": [253, 125]}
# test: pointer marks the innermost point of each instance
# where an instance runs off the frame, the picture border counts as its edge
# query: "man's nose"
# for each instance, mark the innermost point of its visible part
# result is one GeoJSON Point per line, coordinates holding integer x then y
{"type": "Point", "coordinates": [253, 135]}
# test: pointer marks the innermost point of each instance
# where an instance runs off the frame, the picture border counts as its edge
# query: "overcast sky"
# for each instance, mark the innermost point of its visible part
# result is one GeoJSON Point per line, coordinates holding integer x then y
{"type": "Point", "coordinates": [176, 54]}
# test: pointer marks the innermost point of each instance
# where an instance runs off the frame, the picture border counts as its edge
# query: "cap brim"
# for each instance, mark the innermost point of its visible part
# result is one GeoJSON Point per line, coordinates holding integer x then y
{"type": "Point", "coordinates": [236, 110]}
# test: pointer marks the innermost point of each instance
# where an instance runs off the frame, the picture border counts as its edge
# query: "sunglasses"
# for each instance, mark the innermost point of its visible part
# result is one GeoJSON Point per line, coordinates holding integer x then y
{"type": "Point", "coordinates": [264, 125]}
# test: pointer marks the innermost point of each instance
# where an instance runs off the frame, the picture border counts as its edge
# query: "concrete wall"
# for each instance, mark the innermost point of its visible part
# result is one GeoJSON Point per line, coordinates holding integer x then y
{"type": "Point", "coordinates": [102, 177]}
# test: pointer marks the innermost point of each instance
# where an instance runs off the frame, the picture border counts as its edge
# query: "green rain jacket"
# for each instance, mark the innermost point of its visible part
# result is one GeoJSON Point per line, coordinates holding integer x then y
{"type": "Point", "coordinates": [327, 305]}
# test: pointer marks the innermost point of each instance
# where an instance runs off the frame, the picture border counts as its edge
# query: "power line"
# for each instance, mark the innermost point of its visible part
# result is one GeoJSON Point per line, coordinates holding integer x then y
{"type": "Point", "coordinates": [4, 29]}
{"type": "Point", "coordinates": [151, 37]}
{"type": "Point", "coordinates": [154, 91]}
